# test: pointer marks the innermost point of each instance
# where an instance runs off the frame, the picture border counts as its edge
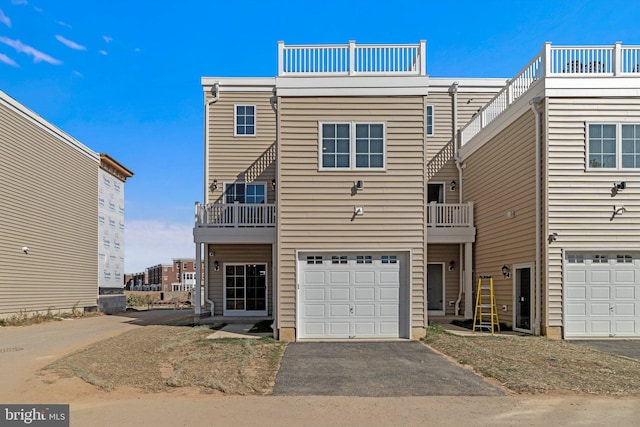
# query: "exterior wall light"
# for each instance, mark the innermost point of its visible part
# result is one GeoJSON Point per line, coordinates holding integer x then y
{"type": "Point", "coordinates": [453, 185]}
{"type": "Point", "coordinates": [452, 265]}
{"type": "Point", "coordinates": [216, 266]}
{"type": "Point", "coordinates": [506, 271]}
{"type": "Point", "coordinates": [273, 184]}
{"type": "Point", "coordinates": [214, 185]}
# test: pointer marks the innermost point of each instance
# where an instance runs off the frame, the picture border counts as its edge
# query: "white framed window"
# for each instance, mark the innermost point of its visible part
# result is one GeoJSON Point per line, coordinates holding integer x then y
{"type": "Point", "coordinates": [389, 259]}
{"type": "Point", "coordinates": [317, 259]}
{"type": "Point", "coordinates": [428, 124]}
{"type": "Point", "coordinates": [364, 259]}
{"type": "Point", "coordinates": [341, 259]}
{"type": "Point", "coordinates": [613, 146]}
{"type": "Point", "coordinates": [244, 120]}
{"type": "Point", "coordinates": [351, 146]}
{"type": "Point", "coordinates": [243, 192]}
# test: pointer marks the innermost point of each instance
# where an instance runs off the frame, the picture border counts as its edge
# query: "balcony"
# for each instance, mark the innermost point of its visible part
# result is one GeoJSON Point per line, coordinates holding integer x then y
{"type": "Point", "coordinates": [450, 223]}
{"type": "Point", "coordinates": [351, 59]}
{"type": "Point", "coordinates": [558, 62]}
{"type": "Point", "coordinates": [235, 223]}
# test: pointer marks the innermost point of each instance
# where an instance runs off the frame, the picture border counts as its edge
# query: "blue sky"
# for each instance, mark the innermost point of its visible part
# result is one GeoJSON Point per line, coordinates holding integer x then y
{"type": "Point", "coordinates": [123, 77]}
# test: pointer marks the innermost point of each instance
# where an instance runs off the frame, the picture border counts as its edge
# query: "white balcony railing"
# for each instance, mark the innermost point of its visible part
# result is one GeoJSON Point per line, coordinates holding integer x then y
{"type": "Point", "coordinates": [237, 215]}
{"type": "Point", "coordinates": [351, 59]}
{"type": "Point", "coordinates": [557, 61]}
{"type": "Point", "coordinates": [450, 214]}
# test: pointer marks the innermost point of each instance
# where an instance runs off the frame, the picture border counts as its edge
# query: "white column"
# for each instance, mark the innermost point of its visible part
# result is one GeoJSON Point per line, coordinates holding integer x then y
{"type": "Point", "coordinates": [280, 58]}
{"type": "Point", "coordinates": [352, 57]}
{"type": "Point", "coordinates": [197, 289]}
{"type": "Point", "coordinates": [468, 281]}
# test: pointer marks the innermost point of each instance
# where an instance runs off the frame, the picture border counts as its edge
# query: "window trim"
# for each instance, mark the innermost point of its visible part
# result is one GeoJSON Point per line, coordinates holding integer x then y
{"type": "Point", "coordinates": [352, 147]}
{"type": "Point", "coordinates": [235, 120]}
{"type": "Point", "coordinates": [426, 115]}
{"type": "Point", "coordinates": [618, 132]}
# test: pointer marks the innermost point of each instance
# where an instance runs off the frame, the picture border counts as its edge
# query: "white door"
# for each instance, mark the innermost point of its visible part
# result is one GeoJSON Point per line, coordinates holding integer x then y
{"type": "Point", "coordinates": [350, 295]}
{"type": "Point", "coordinates": [602, 294]}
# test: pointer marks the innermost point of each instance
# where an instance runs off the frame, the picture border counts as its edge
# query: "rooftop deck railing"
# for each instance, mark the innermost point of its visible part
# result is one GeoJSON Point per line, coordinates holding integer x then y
{"type": "Point", "coordinates": [557, 61]}
{"type": "Point", "coordinates": [351, 59]}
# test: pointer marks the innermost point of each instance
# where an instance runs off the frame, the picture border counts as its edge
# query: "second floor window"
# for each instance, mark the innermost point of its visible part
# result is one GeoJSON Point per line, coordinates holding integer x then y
{"type": "Point", "coordinates": [245, 120]}
{"type": "Point", "coordinates": [429, 120]}
{"type": "Point", "coordinates": [613, 146]}
{"type": "Point", "coordinates": [351, 146]}
{"type": "Point", "coordinates": [244, 193]}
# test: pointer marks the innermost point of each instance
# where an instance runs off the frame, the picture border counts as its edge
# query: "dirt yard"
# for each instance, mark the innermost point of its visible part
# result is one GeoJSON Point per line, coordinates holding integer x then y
{"type": "Point", "coordinates": [537, 365]}
{"type": "Point", "coordinates": [161, 358]}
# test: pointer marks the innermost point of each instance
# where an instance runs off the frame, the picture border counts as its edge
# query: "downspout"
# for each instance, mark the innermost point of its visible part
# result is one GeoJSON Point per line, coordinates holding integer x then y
{"type": "Point", "coordinates": [275, 325]}
{"type": "Point", "coordinates": [454, 93]}
{"type": "Point", "coordinates": [215, 91]}
{"type": "Point", "coordinates": [537, 321]}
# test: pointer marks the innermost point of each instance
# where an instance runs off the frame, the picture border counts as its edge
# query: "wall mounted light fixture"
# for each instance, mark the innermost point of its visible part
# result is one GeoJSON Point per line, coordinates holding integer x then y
{"type": "Point", "coordinates": [273, 184]}
{"type": "Point", "coordinates": [214, 185]}
{"type": "Point", "coordinates": [453, 185]}
{"type": "Point", "coordinates": [552, 237]}
{"type": "Point", "coordinates": [452, 265]}
{"type": "Point", "coordinates": [216, 266]}
{"type": "Point", "coordinates": [618, 187]}
{"type": "Point", "coordinates": [359, 184]}
{"type": "Point", "coordinates": [506, 271]}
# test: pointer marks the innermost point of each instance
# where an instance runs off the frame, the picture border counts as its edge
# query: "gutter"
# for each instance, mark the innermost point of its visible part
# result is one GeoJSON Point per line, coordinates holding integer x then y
{"type": "Point", "coordinates": [538, 316]}
{"type": "Point", "coordinates": [454, 93]}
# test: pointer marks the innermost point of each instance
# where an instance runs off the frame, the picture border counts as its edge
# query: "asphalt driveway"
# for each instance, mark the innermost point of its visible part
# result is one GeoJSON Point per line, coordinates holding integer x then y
{"type": "Point", "coordinates": [628, 348]}
{"type": "Point", "coordinates": [374, 369]}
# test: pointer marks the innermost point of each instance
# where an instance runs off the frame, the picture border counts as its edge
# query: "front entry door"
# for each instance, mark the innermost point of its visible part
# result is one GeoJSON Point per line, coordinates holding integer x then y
{"type": "Point", "coordinates": [245, 289]}
{"type": "Point", "coordinates": [435, 288]}
{"type": "Point", "coordinates": [523, 298]}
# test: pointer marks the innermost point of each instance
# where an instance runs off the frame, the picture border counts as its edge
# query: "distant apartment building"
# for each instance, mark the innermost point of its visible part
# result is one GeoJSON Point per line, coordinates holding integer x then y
{"type": "Point", "coordinates": [135, 279]}
{"type": "Point", "coordinates": [180, 275]}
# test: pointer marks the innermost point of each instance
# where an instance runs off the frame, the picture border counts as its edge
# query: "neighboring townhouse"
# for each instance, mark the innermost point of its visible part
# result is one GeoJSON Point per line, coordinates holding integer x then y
{"type": "Point", "coordinates": [332, 200]}
{"type": "Point", "coordinates": [552, 165]}
{"type": "Point", "coordinates": [135, 280]}
{"type": "Point", "coordinates": [52, 222]}
{"type": "Point", "coordinates": [177, 276]}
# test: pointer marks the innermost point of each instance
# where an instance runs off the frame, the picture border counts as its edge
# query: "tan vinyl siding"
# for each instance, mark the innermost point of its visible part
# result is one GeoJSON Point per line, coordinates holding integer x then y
{"type": "Point", "coordinates": [500, 177]}
{"type": "Point", "coordinates": [241, 158]}
{"type": "Point", "coordinates": [445, 175]}
{"type": "Point", "coordinates": [580, 202]}
{"type": "Point", "coordinates": [444, 254]}
{"type": "Point", "coordinates": [237, 254]}
{"type": "Point", "coordinates": [316, 207]}
{"type": "Point", "coordinates": [49, 203]}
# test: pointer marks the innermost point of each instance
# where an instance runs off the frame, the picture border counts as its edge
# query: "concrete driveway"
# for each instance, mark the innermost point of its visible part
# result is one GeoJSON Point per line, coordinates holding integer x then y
{"type": "Point", "coordinates": [374, 369]}
{"type": "Point", "coordinates": [628, 348]}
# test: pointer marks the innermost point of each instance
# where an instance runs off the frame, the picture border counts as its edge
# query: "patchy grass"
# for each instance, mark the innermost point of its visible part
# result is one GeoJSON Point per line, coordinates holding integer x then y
{"type": "Point", "coordinates": [26, 318]}
{"type": "Point", "coordinates": [159, 358]}
{"type": "Point", "coordinates": [536, 365]}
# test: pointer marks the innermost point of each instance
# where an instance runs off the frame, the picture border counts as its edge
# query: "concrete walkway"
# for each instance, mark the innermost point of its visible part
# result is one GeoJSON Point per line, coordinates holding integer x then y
{"type": "Point", "coordinates": [238, 330]}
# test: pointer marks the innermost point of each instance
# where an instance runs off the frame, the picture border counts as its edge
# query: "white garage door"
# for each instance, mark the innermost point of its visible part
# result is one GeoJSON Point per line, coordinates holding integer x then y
{"type": "Point", "coordinates": [602, 294]}
{"type": "Point", "coordinates": [350, 295]}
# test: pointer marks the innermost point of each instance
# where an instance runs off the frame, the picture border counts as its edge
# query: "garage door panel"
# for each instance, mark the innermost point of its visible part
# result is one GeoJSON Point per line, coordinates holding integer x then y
{"type": "Point", "coordinates": [315, 310]}
{"type": "Point", "coordinates": [599, 309]}
{"type": "Point", "coordinates": [364, 277]}
{"type": "Point", "coordinates": [364, 294]}
{"type": "Point", "coordinates": [600, 292]}
{"type": "Point", "coordinates": [314, 277]}
{"type": "Point", "coordinates": [347, 299]}
{"type": "Point", "coordinates": [339, 294]}
{"type": "Point", "coordinates": [339, 310]}
{"type": "Point", "coordinates": [602, 299]}
{"type": "Point", "coordinates": [314, 294]}
{"type": "Point", "coordinates": [627, 276]}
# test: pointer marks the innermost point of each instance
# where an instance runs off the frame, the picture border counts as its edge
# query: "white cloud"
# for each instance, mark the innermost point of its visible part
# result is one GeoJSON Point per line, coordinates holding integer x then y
{"type": "Point", "coordinates": [6, 60]}
{"type": "Point", "coordinates": [19, 1]}
{"type": "Point", "coordinates": [107, 39]}
{"type": "Point", "coordinates": [77, 73]}
{"type": "Point", "coordinates": [69, 43]}
{"type": "Point", "coordinates": [28, 50]}
{"type": "Point", "coordinates": [5, 19]}
{"type": "Point", "coordinates": [64, 24]}
{"type": "Point", "coordinates": [103, 52]}
{"type": "Point", "coordinates": [149, 243]}
{"type": "Point", "coordinates": [37, 9]}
